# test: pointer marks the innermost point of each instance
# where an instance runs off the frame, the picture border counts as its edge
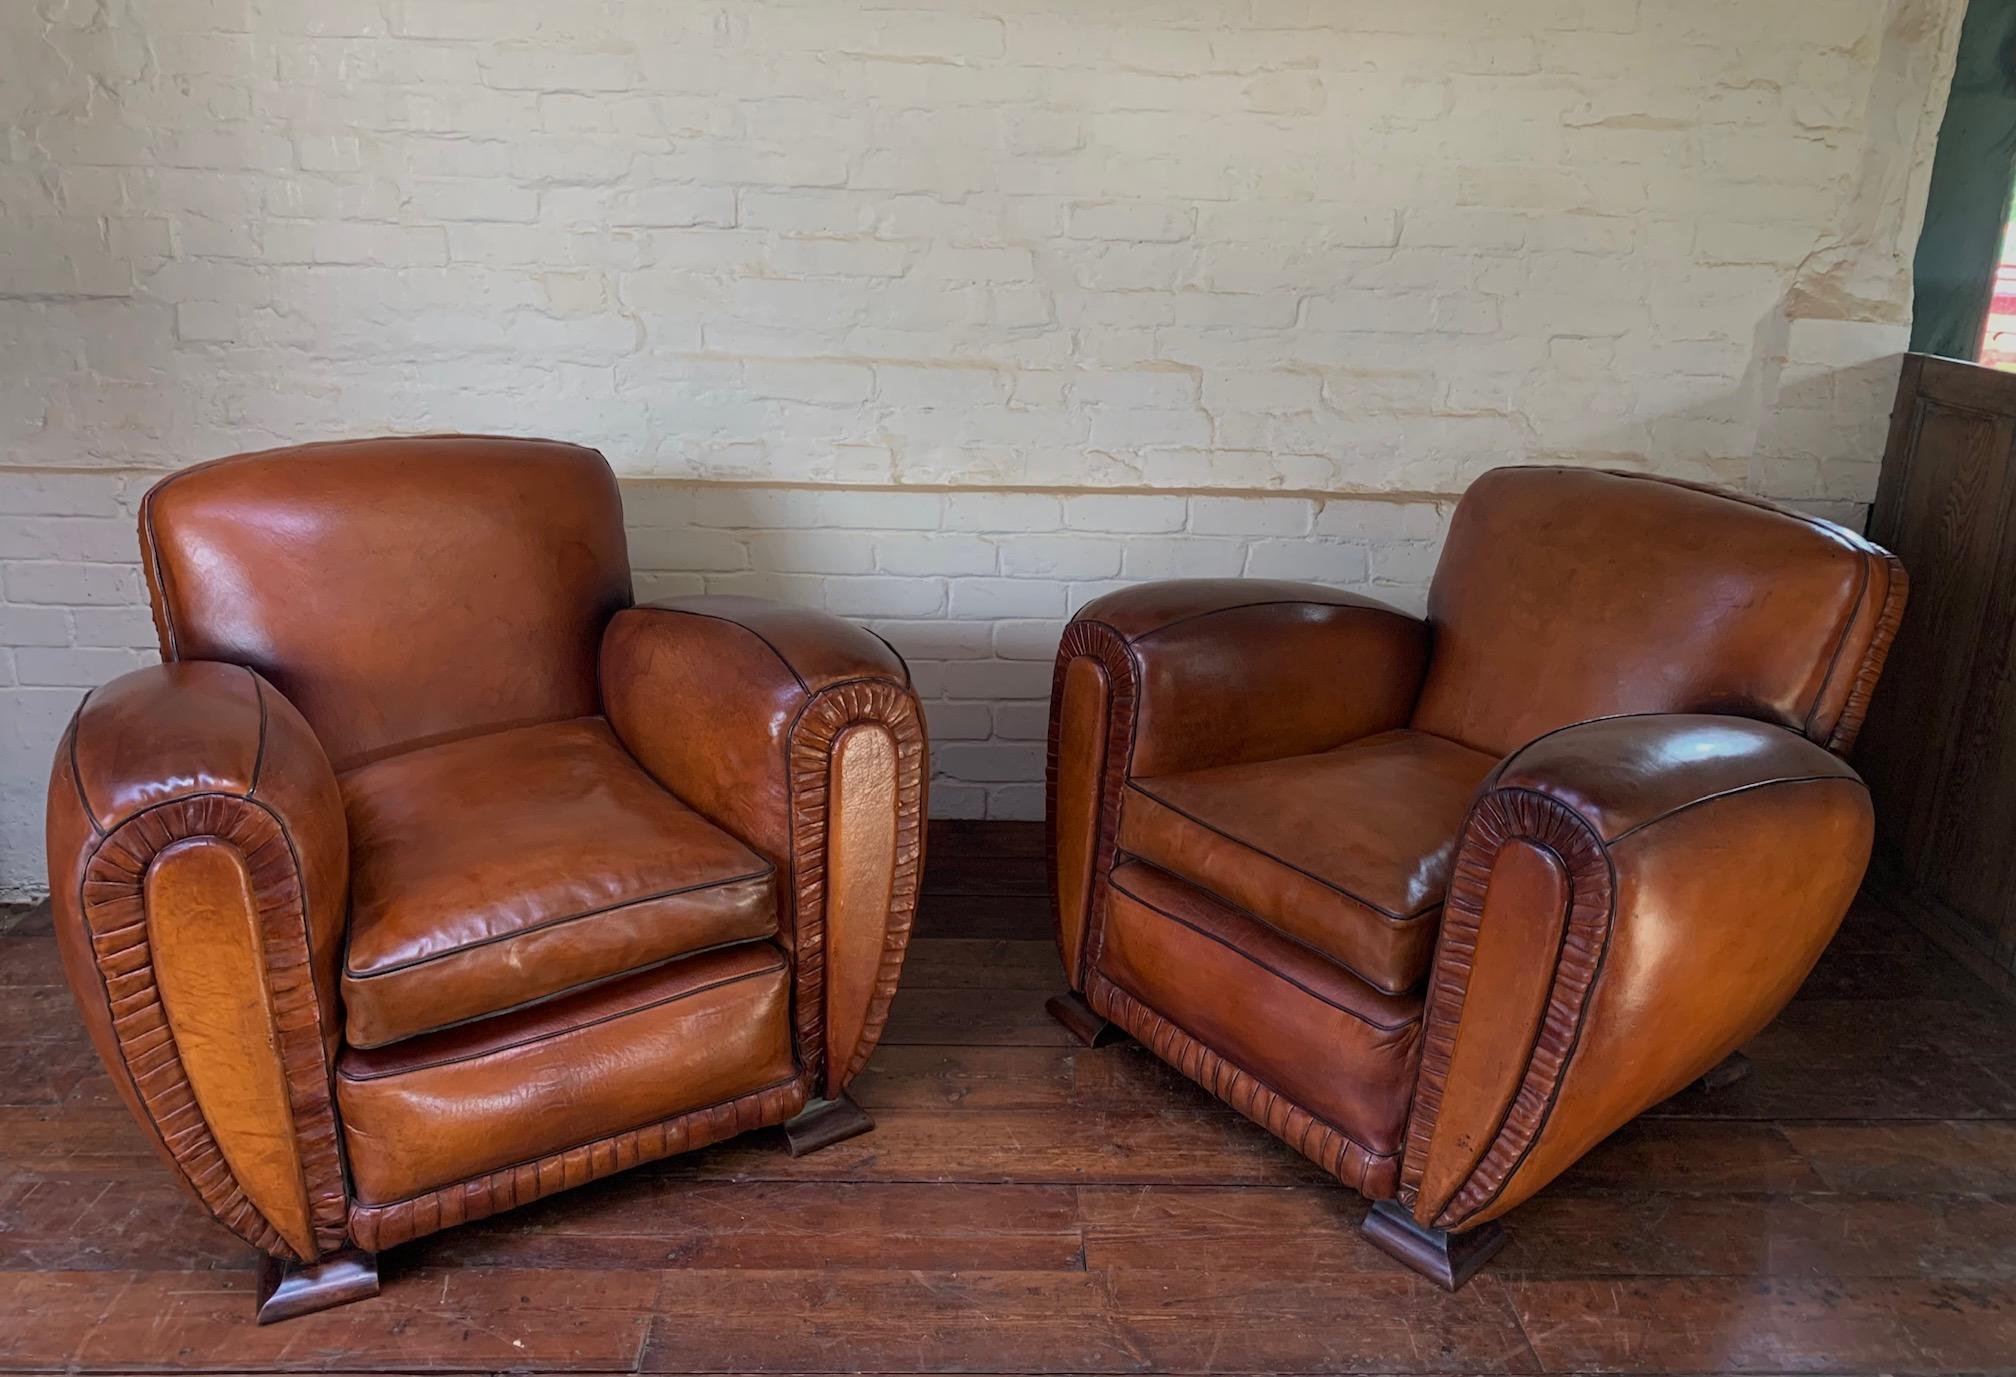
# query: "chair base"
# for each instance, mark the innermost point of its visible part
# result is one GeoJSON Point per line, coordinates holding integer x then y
{"type": "Point", "coordinates": [1444, 1258]}
{"type": "Point", "coordinates": [288, 1289]}
{"type": "Point", "coordinates": [1724, 1073]}
{"type": "Point", "coordinates": [1071, 1010]}
{"type": "Point", "coordinates": [822, 1123]}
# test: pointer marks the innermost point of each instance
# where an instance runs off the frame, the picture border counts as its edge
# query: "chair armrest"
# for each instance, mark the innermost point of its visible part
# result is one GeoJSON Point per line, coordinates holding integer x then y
{"type": "Point", "coordinates": [799, 733]}
{"type": "Point", "coordinates": [1633, 898]}
{"type": "Point", "coordinates": [1187, 674]}
{"type": "Point", "coordinates": [199, 870]}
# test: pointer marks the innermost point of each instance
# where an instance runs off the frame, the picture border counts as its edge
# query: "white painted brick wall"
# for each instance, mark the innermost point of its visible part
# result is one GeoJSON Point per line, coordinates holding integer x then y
{"type": "Point", "coordinates": [1098, 278]}
{"type": "Point", "coordinates": [972, 588]}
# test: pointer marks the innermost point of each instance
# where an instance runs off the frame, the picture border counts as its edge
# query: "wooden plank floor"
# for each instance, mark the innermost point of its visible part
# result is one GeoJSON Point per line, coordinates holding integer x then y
{"type": "Point", "coordinates": [1028, 1207]}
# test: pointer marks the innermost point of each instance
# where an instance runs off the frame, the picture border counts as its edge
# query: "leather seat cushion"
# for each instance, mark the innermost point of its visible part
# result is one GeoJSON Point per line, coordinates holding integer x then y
{"type": "Point", "coordinates": [1266, 1004]}
{"type": "Point", "coordinates": [503, 869]}
{"type": "Point", "coordinates": [573, 1071]}
{"type": "Point", "coordinates": [1347, 851]}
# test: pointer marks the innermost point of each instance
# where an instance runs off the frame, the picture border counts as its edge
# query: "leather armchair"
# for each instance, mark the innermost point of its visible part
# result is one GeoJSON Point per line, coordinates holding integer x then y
{"type": "Point", "coordinates": [428, 876]}
{"type": "Point", "coordinates": [1443, 902]}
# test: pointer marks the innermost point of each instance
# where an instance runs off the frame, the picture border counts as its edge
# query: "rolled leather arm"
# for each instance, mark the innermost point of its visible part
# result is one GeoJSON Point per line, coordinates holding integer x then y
{"type": "Point", "coordinates": [1191, 673]}
{"type": "Point", "coordinates": [799, 733]}
{"type": "Point", "coordinates": [1633, 898]}
{"type": "Point", "coordinates": [198, 868]}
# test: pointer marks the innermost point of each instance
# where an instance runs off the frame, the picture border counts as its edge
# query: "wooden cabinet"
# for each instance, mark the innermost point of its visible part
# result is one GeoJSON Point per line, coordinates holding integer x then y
{"type": "Point", "coordinates": [1939, 750]}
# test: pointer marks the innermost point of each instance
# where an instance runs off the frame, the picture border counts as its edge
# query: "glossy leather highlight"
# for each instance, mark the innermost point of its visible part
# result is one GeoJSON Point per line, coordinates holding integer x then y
{"type": "Point", "coordinates": [503, 869]}
{"type": "Point", "coordinates": [398, 591]}
{"type": "Point", "coordinates": [1347, 851]}
{"type": "Point", "coordinates": [563, 959]}
{"type": "Point", "coordinates": [465, 1102]}
{"type": "Point", "coordinates": [1603, 593]}
{"type": "Point", "coordinates": [1597, 798]}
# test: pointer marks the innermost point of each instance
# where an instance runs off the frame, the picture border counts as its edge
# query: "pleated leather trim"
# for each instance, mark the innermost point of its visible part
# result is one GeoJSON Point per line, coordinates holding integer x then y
{"type": "Point", "coordinates": [1099, 642]}
{"type": "Point", "coordinates": [1373, 1175]}
{"type": "Point", "coordinates": [1503, 816]}
{"type": "Point", "coordinates": [115, 914]}
{"type": "Point", "coordinates": [820, 724]}
{"type": "Point", "coordinates": [376, 1227]}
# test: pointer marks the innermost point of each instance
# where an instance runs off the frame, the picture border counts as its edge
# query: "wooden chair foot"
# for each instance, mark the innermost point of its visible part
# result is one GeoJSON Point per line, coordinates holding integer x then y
{"type": "Point", "coordinates": [288, 1289]}
{"type": "Point", "coordinates": [1071, 1010]}
{"type": "Point", "coordinates": [822, 1123]}
{"type": "Point", "coordinates": [1724, 1073]}
{"type": "Point", "coordinates": [1444, 1258]}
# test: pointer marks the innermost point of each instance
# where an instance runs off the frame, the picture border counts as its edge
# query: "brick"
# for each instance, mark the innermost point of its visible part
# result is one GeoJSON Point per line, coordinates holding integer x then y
{"type": "Point", "coordinates": [955, 318]}
{"type": "Point", "coordinates": [72, 667]}
{"type": "Point", "coordinates": [1251, 516]}
{"type": "Point", "coordinates": [1016, 512]}
{"type": "Point", "coordinates": [1167, 557]}
{"type": "Point", "coordinates": [1129, 513]}
{"type": "Point", "coordinates": [935, 555]}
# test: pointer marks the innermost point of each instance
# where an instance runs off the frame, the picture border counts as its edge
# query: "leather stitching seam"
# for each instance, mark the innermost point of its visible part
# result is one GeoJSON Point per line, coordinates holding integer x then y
{"type": "Point", "coordinates": [1320, 998]}
{"type": "Point", "coordinates": [351, 973]}
{"type": "Point", "coordinates": [568, 1031]}
{"type": "Point", "coordinates": [1379, 911]}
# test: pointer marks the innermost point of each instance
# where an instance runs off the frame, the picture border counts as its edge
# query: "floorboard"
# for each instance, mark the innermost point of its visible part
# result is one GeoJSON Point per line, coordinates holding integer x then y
{"type": "Point", "coordinates": [1028, 1206]}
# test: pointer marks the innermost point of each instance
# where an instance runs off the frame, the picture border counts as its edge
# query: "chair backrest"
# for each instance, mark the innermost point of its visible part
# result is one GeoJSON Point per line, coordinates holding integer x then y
{"type": "Point", "coordinates": [1569, 594]}
{"type": "Point", "coordinates": [398, 591]}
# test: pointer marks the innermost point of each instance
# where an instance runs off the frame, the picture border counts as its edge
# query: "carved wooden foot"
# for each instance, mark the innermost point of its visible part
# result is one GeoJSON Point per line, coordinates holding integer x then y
{"type": "Point", "coordinates": [1724, 1073]}
{"type": "Point", "coordinates": [1071, 1010]}
{"type": "Point", "coordinates": [1444, 1258]}
{"type": "Point", "coordinates": [822, 1123]}
{"type": "Point", "coordinates": [287, 1289]}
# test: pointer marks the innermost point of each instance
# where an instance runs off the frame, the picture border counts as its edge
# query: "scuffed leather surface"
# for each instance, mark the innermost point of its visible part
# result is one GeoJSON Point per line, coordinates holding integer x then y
{"type": "Point", "coordinates": [242, 768]}
{"type": "Point", "coordinates": [398, 591]}
{"type": "Point", "coordinates": [735, 705]}
{"type": "Point", "coordinates": [376, 1227]}
{"type": "Point", "coordinates": [1261, 1000]}
{"type": "Point", "coordinates": [1371, 1176]}
{"type": "Point", "coordinates": [506, 868]}
{"type": "Point", "coordinates": [1569, 594]}
{"type": "Point", "coordinates": [1348, 850]}
{"type": "Point", "coordinates": [1691, 923]}
{"type": "Point", "coordinates": [471, 1101]}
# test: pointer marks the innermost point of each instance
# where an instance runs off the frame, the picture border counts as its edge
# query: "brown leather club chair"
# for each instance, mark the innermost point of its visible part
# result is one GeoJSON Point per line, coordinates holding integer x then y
{"type": "Point", "coordinates": [430, 877]}
{"type": "Point", "coordinates": [1443, 903]}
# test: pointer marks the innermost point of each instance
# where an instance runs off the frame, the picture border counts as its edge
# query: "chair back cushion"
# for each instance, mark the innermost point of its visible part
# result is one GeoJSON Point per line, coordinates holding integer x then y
{"type": "Point", "coordinates": [1569, 594]}
{"type": "Point", "coordinates": [397, 591]}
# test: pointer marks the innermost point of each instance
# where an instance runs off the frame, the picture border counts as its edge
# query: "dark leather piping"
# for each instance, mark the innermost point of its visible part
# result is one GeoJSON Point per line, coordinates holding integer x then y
{"type": "Point", "coordinates": [893, 651]}
{"type": "Point", "coordinates": [350, 973]}
{"type": "Point", "coordinates": [568, 1031]}
{"type": "Point", "coordinates": [1386, 914]}
{"type": "Point", "coordinates": [374, 1205]}
{"type": "Point", "coordinates": [1248, 606]}
{"type": "Point", "coordinates": [151, 540]}
{"type": "Point", "coordinates": [1120, 855]}
{"type": "Point", "coordinates": [1807, 726]}
{"type": "Point", "coordinates": [1247, 1071]}
{"type": "Point", "coordinates": [1730, 793]}
{"type": "Point", "coordinates": [77, 775]}
{"type": "Point", "coordinates": [789, 668]}
{"type": "Point", "coordinates": [1254, 960]}
{"type": "Point", "coordinates": [259, 754]}
{"type": "Point", "coordinates": [576, 988]}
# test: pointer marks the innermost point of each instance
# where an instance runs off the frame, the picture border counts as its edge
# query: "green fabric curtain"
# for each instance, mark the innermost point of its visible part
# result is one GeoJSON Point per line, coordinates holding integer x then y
{"type": "Point", "coordinates": [1968, 204]}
